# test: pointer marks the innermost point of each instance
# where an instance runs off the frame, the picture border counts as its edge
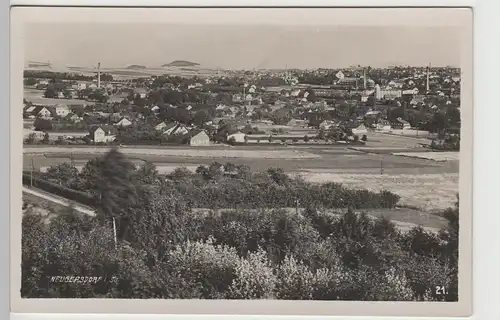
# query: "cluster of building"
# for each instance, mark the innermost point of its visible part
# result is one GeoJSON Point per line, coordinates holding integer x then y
{"type": "Point", "coordinates": [421, 89]}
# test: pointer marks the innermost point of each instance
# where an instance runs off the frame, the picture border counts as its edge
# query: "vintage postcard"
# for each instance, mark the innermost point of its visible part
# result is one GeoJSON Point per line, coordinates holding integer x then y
{"type": "Point", "coordinates": [242, 161]}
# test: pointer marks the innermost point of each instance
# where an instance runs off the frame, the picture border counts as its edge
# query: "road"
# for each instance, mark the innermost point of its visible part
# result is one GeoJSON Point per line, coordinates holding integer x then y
{"type": "Point", "coordinates": [58, 200]}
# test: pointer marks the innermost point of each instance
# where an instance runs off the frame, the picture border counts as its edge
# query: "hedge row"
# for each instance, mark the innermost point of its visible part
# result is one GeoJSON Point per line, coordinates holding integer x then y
{"type": "Point", "coordinates": [59, 190]}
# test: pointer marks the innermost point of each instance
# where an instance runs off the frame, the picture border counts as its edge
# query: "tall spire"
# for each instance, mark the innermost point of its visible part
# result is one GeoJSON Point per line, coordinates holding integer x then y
{"type": "Point", "coordinates": [98, 75]}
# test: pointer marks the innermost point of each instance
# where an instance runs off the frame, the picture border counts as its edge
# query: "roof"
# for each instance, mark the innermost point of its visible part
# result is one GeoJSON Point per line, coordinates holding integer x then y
{"type": "Point", "coordinates": [106, 128]}
{"type": "Point", "coordinates": [193, 133]}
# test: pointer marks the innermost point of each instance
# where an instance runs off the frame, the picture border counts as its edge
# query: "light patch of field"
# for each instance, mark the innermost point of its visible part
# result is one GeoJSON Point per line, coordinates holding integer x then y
{"type": "Point", "coordinates": [191, 153]}
{"type": "Point", "coordinates": [435, 156]}
{"type": "Point", "coordinates": [428, 192]}
{"type": "Point", "coordinates": [162, 169]}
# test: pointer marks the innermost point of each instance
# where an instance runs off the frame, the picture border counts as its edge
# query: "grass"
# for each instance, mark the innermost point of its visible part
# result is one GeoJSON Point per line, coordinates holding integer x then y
{"type": "Point", "coordinates": [428, 192]}
{"type": "Point", "coordinates": [434, 156]}
{"type": "Point", "coordinates": [188, 153]}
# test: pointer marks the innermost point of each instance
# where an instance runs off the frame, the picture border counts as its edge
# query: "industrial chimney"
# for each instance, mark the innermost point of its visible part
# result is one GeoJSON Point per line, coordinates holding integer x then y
{"type": "Point", "coordinates": [98, 75]}
{"type": "Point", "coordinates": [428, 73]}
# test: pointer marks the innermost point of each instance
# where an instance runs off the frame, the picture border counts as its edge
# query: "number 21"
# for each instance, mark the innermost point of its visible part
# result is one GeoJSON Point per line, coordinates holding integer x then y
{"type": "Point", "coordinates": [440, 290]}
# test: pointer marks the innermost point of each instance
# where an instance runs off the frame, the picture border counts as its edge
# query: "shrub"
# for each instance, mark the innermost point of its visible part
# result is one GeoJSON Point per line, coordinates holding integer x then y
{"type": "Point", "coordinates": [59, 190]}
{"type": "Point", "coordinates": [212, 267]}
{"type": "Point", "coordinates": [295, 280]}
{"type": "Point", "coordinates": [254, 279]}
{"type": "Point", "coordinates": [388, 199]}
{"type": "Point", "coordinates": [364, 138]}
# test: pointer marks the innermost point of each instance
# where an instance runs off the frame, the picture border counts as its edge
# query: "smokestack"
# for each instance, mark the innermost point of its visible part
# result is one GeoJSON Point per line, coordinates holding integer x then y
{"type": "Point", "coordinates": [98, 75]}
{"type": "Point", "coordinates": [364, 78]}
{"type": "Point", "coordinates": [428, 73]}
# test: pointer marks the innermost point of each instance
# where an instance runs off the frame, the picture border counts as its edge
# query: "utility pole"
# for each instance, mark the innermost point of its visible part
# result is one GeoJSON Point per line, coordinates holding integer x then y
{"type": "Point", "coordinates": [32, 169]}
{"type": "Point", "coordinates": [71, 158]}
{"type": "Point", "coordinates": [297, 206]}
{"type": "Point", "coordinates": [114, 232]}
{"type": "Point", "coordinates": [381, 165]}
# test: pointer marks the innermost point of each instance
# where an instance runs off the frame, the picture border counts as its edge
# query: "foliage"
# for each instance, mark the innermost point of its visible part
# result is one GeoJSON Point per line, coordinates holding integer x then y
{"type": "Point", "coordinates": [225, 232]}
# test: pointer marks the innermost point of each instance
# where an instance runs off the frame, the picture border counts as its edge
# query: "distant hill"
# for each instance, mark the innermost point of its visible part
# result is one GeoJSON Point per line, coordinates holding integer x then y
{"type": "Point", "coordinates": [181, 63]}
{"type": "Point", "coordinates": [136, 66]}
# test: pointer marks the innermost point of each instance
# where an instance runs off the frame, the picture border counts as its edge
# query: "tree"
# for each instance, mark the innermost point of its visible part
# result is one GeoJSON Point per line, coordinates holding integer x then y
{"type": "Point", "coordinates": [50, 92]}
{"type": "Point", "coordinates": [63, 173]}
{"type": "Point", "coordinates": [46, 138]}
{"type": "Point", "coordinates": [281, 116]}
{"type": "Point", "coordinates": [30, 81]}
{"type": "Point", "coordinates": [116, 189]}
{"type": "Point", "coordinates": [364, 138]}
{"type": "Point", "coordinates": [31, 138]}
{"type": "Point", "coordinates": [201, 117]}
{"type": "Point", "coordinates": [147, 173]}
{"type": "Point", "coordinates": [306, 138]}
{"type": "Point", "coordinates": [41, 124]}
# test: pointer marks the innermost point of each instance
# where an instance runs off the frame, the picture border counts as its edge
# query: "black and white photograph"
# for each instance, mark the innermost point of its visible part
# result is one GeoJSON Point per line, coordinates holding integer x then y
{"type": "Point", "coordinates": [244, 154]}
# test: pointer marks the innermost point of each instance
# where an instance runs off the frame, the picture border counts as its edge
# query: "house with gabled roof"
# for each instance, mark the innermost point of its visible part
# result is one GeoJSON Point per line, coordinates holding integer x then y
{"type": "Point", "coordinates": [196, 138]}
{"type": "Point", "coordinates": [123, 122]}
{"type": "Point", "coordinates": [102, 133]}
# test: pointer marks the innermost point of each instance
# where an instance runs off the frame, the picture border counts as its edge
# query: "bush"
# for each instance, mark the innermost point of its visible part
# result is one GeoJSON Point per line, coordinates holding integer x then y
{"type": "Point", "coordinates": [295, 280]}
{"type": "Point", "coordinates": [59, 190]}
{"type": "Point", "coordinates": [209, 266]}
{"type": "Point", "coordinates": [364, 138]}
{"type": "Point", "coordinates": [388, 199]}
{"type": "Point", "coordinates": [254, 278]}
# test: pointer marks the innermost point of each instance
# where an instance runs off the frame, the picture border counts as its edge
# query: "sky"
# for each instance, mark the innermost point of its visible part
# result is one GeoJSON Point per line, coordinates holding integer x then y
{"type": "Point", "coordinates": [116, 45]}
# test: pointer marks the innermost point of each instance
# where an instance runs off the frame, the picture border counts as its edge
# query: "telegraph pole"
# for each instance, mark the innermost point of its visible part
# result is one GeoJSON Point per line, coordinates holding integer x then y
{"type": "Point", "coordinates": [381, 165]}
{"type": "Point", "coordinates": [32, 169]}
{"type": "Point", "coordinates": [114, 232]}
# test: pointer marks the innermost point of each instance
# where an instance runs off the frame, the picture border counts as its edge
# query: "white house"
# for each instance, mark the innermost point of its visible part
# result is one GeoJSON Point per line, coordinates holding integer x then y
{"type": "Point", "coordinates": [340, 75]}
{"type": "Point", "coordinates": [238, 137]}
{"type": "Point", "coordinates": [62, 110]}
{"type": "Point", "coordinates": [197, 138]}
{"type": "Point", "coordinates": [361, 129]}
{"type": "Point", "coordinates": [81, 86]}
{"type": "Point", "coordinates": [102, 134]}
{"type": "Point", "coordinates": [160, 126]}
{"type": "Point", "coordinates": [384, 125]}
{"type": "Point", "coordinates": [123, 122]}
{"type": "Point", "coordinates": [155, 109]}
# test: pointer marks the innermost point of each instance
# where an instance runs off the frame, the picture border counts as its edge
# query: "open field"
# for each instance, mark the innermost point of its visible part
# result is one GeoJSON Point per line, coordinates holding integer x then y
{"type": "Point", "coordinates": [188, 153]}
{"type": "Point", "coordinates": [383, 140]}
{"type": "Point", "coordinates": [421, 182]}
{"type": "Point", "coordinates": [427, 192]}
{"type": "Point", "coordinates": [54, 135]}
{"type": "Point", "coordinates": [36, 97]}
{"type": "Point", "coordinates": [434, 156]}
{"type": "Point", "coordinates": [409, 133]}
